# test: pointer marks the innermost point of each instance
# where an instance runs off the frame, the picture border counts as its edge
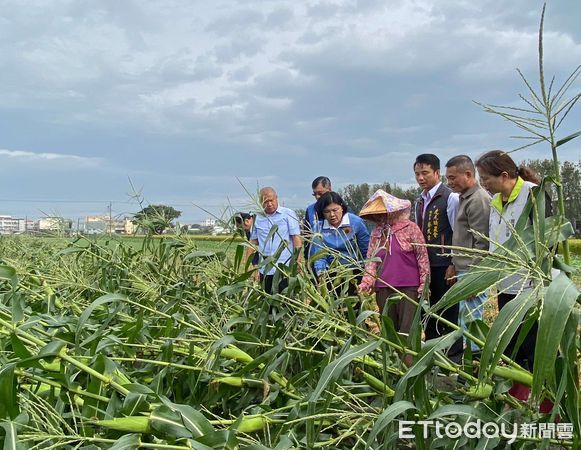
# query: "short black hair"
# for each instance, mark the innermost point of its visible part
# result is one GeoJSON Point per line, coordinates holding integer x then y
{"type": "Point", "coordinates": [462, 162]}
{"type": "Point", "coordinates": [429, 159]}
{"type": "Point", "coordinates": [323, 181]}
{"type": "Point", "coordinates": [240, 217]}
{"type": "Point", "coordinates": [326, 199]}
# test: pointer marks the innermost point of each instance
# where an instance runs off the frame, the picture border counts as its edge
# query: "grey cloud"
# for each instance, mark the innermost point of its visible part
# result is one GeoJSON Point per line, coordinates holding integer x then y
{"type": "Point", "coordinates": [236, 21]}
{"type": "Point", "coordinates": [280, 18]}
{"type": "Point", "coordinates": [323, 10]}
{"type": "Point", "coordinates": [181, 89]}
{"type": "Point", "coordinates": [242, 45]}
{"type": "Point", "coordinates": [184, 66]}
{"type": "Point", "coordinates": [241, 74]}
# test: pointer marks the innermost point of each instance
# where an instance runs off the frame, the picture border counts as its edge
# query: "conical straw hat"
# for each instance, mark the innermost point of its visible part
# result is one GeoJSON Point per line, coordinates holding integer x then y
{"type": "Point", "coordinates": [383, 203]}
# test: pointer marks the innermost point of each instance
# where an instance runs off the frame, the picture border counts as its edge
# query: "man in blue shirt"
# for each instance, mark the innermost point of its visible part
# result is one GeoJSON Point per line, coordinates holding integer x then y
{"type": "Point", "coordinates": [280, 242]}
{"type": "Point", "coordinates": [321, 185]}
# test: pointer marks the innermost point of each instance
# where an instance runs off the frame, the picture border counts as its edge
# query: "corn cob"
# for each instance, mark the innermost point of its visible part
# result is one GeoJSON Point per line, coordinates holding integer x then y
{"type": "Point", "coordinates": [375, 383]}
{"type": "Point", "coordinates": [129, 424]}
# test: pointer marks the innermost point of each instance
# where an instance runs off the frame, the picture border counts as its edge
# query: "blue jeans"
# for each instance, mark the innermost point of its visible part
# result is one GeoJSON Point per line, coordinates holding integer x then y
{"type": "Point", "coordinates": [470, 310]}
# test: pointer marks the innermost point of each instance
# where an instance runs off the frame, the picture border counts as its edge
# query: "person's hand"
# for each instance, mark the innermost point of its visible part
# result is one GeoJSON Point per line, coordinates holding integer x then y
{"type": "Point", "coordinates": [300, 266]}
{"type": "Point", "coordinates": [323, 277]}
{"type": "Point", "coordinates": [450, 275]}
{"type": "Point", "coordinates": [365, 287]}
{"type": "Point", "coordinates": [256, 275]}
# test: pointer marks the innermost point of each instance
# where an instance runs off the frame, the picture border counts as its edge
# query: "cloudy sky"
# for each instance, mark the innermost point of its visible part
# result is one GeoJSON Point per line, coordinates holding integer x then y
{"type": "Point", "coordinates": [195, 104]}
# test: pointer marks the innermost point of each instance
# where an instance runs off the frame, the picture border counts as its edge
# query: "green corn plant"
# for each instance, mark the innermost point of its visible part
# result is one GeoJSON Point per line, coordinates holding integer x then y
{"type": "Point", "coordinates": [542, 114]}
{"type": "Point", "coordinates": [308, 376]}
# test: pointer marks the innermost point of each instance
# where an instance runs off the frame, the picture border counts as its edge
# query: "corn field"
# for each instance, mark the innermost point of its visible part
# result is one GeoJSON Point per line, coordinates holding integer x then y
{"type": "Point", "coordinates": [167, 346]}
{"type": "Point", "coordinates": [164, 345]}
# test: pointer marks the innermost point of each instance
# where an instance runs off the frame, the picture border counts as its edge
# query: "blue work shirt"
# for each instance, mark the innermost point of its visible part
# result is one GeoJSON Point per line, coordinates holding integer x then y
{"type": "Point", "coordinates": [350, 239]}
{"type": "Point", "coordinates": [310, 218]}
{"type": "Point", "coordinates": [287, 225]}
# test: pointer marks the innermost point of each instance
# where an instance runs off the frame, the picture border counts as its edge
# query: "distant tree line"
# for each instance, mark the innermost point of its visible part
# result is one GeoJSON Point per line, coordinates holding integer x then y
{"type": "Point", "coordinates": [355, 195]}
{"type": "Point", "coordinates": [571, 179]}
{"type": "Point", "coordinates": [156, 218]}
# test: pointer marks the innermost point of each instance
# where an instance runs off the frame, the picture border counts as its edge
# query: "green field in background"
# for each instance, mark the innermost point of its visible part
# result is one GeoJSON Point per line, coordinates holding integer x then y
{"type": "Point", "coordinates": [225, 243]}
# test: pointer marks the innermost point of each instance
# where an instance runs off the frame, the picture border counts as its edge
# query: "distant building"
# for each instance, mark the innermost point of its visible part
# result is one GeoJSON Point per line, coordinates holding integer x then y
{"type": "Point", "coordinates": [209, 222]}
{"type": "Point", "coordinates": [105, 224]}
{"type": "Point", "coordinates": [96, 224]}
{"type": "Point", "coordinates": [217, 229]}
{"type": "Point", "coordinates": [12, 225]}
{"type": "Point", "coordinates": [130, 227]}
{"type": "Point", "coordinates": [31, 225]}
{"type": "Point", "coordinates": [55, 225]}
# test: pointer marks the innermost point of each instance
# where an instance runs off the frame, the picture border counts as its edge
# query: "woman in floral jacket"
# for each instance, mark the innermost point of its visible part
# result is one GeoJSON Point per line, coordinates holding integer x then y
{"type": "Point", "coordinates": [404, 266]}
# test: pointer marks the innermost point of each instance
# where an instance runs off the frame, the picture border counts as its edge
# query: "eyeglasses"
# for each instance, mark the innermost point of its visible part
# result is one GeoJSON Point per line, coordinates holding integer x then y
{"type": "Point", "coordinates": [335, 211]}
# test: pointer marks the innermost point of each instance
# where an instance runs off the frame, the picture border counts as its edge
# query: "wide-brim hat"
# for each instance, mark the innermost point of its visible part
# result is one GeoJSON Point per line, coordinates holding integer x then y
{"type": "Point", "coordinates": [383, 203]}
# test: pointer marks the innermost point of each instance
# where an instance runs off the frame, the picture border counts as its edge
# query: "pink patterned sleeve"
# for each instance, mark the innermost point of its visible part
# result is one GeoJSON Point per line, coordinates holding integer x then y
{"type": "Point", "coordinates": [368, 279]}
{"type": "Point", "coordinates": [421, 253]}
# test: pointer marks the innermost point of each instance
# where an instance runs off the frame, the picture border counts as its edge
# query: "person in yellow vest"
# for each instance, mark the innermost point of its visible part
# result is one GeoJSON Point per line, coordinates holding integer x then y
{"type": "Point", "coordinates": [511, 186]}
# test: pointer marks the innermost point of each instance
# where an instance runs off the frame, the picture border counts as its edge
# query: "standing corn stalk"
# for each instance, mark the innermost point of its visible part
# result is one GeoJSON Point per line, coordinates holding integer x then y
{"type": "Point", "coordinates": [541, 117]}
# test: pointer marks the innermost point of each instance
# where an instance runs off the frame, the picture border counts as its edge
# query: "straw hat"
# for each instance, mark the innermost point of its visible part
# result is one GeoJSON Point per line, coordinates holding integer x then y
{"type": "Point", "coordinates": [383, 203]}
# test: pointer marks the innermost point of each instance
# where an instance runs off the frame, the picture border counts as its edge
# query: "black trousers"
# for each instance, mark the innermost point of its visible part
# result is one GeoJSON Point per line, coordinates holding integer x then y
{"type": "Point", "coordinates": [268, 281]}
{"type": "Point", "coordinates": [525, 355]}
{"type": "Point", "coordinates": [435, 328]}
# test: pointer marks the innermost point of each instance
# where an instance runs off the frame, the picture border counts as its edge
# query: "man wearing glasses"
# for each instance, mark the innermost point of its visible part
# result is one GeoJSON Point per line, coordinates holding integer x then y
{"type": "Point", "coordinates": [321, 185]}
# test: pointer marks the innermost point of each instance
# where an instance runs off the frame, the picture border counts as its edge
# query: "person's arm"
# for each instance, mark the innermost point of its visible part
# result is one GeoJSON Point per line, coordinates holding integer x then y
{"type": "Point", "coordinates": [368, 280]}
{"type": "Point", "coordinates": [297, 241]}
{"type": "Point", "coordinates": [297, 244]}
{"type": "Point", "coordinates": [253, 239]}
{"type": "Point", "coordinates": [421, 254]}
{"type": "Point", "coordinates": [307, 231]}
{"type": "Point", "coordinates": [452, 208]}
{"type": "Point", "coordinates": [320, 262]}
{"type": "Point", "coordinates": [362, 236]}
{"type": "Point", "coordinates": [478, 214]}
{"type": "Point", "coordinates": [450, 275]}
{"type": "Point", "coordinates": [250, 250]}
{"type": "Point", "coordinates": [452, 212]}
{"type": "Point", "coordinates": [294, 229]}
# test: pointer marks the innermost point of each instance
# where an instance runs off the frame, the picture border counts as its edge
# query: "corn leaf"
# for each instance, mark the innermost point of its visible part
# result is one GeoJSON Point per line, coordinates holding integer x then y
{"type": "Point", "coordinates": [11, 437]}
{"type": "Point", "coordinates": [424, 358]}
{"type": "Point", "coordinates": [570, 342]}
{"type": "Point", "coordinates": [385, 419]}
{"type": "Point", "coordinates": [109, 298]}
{"type": "Point", "coordinates": [126, 442]}
{"type": "Point", "coordinates": [469, 411]}
{"type": "Point", "coordinates": [504, 327]}
{"type": "Point", "coordinates": [568, 138]}
{"type": "Point", "coordinates": [194, 420]}
{"type": "Point", "coordinates": [8, 402]}
{"type": "Point", "coordinates": [335, 368]}
{"type": "Point", "coordinates": [222, 439]}
{"type": "Point", "coordinates": [134, 404]}
{"type": "Point", "coordinates": [8, 273]}
{"type": "Point", "coordinates": [169, 422]}
{"type": "Point", "coordinates": [559, 300]}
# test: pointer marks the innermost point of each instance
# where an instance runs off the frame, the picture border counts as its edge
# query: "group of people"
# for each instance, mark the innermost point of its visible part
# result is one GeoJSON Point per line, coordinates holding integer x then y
{"type": "Point", "coordinates": [406, 254]}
